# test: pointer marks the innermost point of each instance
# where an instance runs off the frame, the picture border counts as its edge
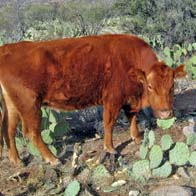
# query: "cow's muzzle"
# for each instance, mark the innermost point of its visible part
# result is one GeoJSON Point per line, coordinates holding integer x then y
{"type": "Point", "coordinates": [164, 114]}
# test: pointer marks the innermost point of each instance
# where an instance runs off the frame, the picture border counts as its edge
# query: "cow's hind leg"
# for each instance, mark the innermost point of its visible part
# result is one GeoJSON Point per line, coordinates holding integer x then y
{"type": "Point", "coordinates": [10, 119]}
{"type": "Point", "coordinates": [110, 115]}
{"type": "Point", "coordinates": [1, 137]}
{"type": "Point", "coordinates": [32, 121]}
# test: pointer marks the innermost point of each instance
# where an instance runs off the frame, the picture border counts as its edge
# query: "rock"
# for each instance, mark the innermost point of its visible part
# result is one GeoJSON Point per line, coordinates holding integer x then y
{"type": "Point", "coordinates": [182, 172]}
{"type": "Point", "coordinates": [66, 180]}
{"type": "Point", "coordinates": [188, 130]}
{"type": "Point", "coordinates": [50, 175]}
{"type": "Point", "coordinates": [118, 183]}
{"type": "Point", "coordinates": [134, 193]}
{"type": "Point", "coordinates": [84, 176]}
{"type": "Point", "coordinates": [192, 121]}
{"type": "Point", "coordinates": [193, 147]}
{"type": "Point", "coordinates": [101, 177]}
{"type": "Point", "coordinates": [172, 190]}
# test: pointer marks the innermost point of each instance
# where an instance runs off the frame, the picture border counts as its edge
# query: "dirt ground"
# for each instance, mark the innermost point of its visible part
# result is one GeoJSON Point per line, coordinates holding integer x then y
{"type": "Point", "coordinates": [39, 179]}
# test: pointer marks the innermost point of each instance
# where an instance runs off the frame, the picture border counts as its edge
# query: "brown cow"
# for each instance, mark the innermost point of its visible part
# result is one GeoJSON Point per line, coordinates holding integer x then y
{"type": "Point", "coordinates": [75, 73]}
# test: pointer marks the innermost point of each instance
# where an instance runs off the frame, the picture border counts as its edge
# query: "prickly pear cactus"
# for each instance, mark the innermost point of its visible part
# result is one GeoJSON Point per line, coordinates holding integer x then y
{"type": "Point", "coordinates": [164, 171]}
{"type": "Point", "coordinates": [166, 142]}
{"type": "Point", "coordinates": [142, 168]}
{"type": "Point", "coordinates": [155, 156]}
{"type": "Point", "coordinates": [166, 124]}
{"type": "Point", "coordinates": [72, 189]}
{"type": "Point", "coordinates": [168, 58]}
{"type": "Point", "coordinates": [143, 151]}
{"type": "Point", "coordinates": [191, 139]}
{"type": "Point", "coordinates": [179, 155]}
{"type": "Point", "coordinates": [192, 158]}
{"type": "Point", "coordinates": [151, 138]}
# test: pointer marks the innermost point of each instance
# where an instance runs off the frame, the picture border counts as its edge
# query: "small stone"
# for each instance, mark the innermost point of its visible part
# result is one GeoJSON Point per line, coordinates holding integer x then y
{"type": "Point", "coordinates": [118, 183]}
{"type": "Point", "coordinates": [50, 175]}
{"type": "Point", "coordinates": [101, 177]}
{"type": "Point", "coordinates": [188, 130]}
{"type": "Point", "coordinates": [66, 180]}
{"type": "Point", "coordinates": [84, 176]}
{"type": "Point", "coordinates": [172, 190]}
{"type": "Point", "coordinates": [183, 172]}
{"type": "Point", "coordinates": [192, 121]}
{"type": "Point", "coordinates": [70, 148]}
{"type": "Point", "coordinates": [134, 193]}
{"type": "Point", "coordinates": [193, 147]}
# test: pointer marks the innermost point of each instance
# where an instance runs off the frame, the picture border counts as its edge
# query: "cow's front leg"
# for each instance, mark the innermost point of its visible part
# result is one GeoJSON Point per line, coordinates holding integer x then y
{"type": "Point", "coordinates": [134, 132]}
{"type": "Point", "coordinates": [110, 115]}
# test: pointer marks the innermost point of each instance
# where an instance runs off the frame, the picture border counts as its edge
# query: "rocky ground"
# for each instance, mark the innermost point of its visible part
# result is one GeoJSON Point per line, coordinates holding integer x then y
{"type": "Point", "coordinates": [81, 152]}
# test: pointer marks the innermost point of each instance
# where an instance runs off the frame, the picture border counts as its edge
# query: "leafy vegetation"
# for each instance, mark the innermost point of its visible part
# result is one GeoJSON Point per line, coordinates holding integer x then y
{"type": "Point", "coordinates": [161, 161]}
{"type": "Point", "coordinates": [53, 128]}
{"type": "Point", "coordinates": [72, 189]}
{"type": "Point", "coordinates": [166, 124]}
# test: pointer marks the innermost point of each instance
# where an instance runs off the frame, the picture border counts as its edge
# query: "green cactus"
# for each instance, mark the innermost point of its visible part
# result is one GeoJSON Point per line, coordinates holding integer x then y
{"type": "Point", "coordinates": [151, 138]}
{"type": "Point", "coordinates": [184, 51]}
{"type": "Point", "coordinates": [141, 168]}
{"type": "Point", "coordinates": [166, 142]}
{"type": "Point", "coordinates": [143, 151]}
{"type": "Point", "coordinates": [190, 48]}
{"type": "Point", "coordinates": [46, 136]}
{"type": "Point", "coordinates": [193, 59]}
{"type": "Point", "coordinates": [72, 189]}
{"type": "Point", "coordinates": [155, 156]}
{"type": "Point", "coordinates": [191, 139]}
{"type": "Point", "coordinates": [169, 61]}
{"type": "Point", "coordinates": [167, 51]}
{"type": "Point", "coordinates": [194, 46]}
{"type": "Point", "coordinates": [164, 171]}
{"type": "Point", "coordinates": [33, 150]}
{"type": "Point", "coordinates": [177, 56]}
{"type": "Point", "coordinates": [179, 155]}
{"type": "Point", "coordinates": [166, 124]}
{"type": "Point", "coordinates": [192, 158]}
{"type": "Point", "coordinates": [145, 141]}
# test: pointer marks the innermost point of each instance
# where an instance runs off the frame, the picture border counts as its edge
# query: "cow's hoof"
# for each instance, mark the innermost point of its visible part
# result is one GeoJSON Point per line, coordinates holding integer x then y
{"type": "Point", "coordinates": [55, 162]}
{"type": "Point", "coordinates": [110, 150]}
{"type": "Point", "coordinates": [106, 155]}
{"type": "Point", "coordinates": [137, 139]}
{"type": "Point", "coordinates": [18, 163]}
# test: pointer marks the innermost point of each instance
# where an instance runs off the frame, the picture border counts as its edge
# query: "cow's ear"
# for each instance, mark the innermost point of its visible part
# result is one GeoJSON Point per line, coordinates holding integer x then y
{"type": "Point", "coordinates": [138, 75]}
{"type": "Point", "coordinates": [180, 72]}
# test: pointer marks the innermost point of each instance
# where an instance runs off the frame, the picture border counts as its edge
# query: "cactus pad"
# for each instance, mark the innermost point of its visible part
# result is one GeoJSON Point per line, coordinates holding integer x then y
{"type": "Point", "coordinates": [192, 158]}
{"type": "Point", "coordinates": [143, 151]}
{"type": "Point", "coordinates": [166, 142]}
{"type": "Point", "coordinates": [164, 171]}
{"type": "Point", "coordinates": [142, 168]}
{"type": "Point", "coordinates": [166, 124]}
{"type": "Point", "coordinates": [156, 156]}
{"type": "Point", "coordinates": [179, 155]}
{"type": "Point", "coordinates": [191, 139]}
{"type": "Point", "coordinates": [151, 138]}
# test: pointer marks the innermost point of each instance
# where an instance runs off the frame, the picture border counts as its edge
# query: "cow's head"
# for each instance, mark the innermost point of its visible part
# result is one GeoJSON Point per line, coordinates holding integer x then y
{"type": "Point", "coordinates": [160, 88]}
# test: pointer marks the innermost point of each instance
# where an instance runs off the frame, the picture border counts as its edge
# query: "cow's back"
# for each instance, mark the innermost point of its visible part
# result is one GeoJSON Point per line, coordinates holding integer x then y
{"type": "Point", "coordinates": [74, 71]}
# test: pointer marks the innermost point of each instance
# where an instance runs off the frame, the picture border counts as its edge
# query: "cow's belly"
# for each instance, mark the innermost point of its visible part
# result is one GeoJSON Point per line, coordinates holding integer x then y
{"type": "Point", "coordinates": [69, 99]}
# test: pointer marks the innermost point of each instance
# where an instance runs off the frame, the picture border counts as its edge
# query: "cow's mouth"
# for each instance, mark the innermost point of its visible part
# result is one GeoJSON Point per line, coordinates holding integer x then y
{"type": "Point", "coordinates": [164, 114]}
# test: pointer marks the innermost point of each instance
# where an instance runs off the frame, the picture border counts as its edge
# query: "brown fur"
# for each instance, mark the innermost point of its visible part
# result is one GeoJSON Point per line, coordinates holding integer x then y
{"type": "Point", "coordinates": [76, 73]}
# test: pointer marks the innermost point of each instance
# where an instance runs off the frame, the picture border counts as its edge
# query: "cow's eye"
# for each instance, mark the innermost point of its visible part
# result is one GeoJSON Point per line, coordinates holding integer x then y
{"type": "Point", "coordinates": [150, 87]}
